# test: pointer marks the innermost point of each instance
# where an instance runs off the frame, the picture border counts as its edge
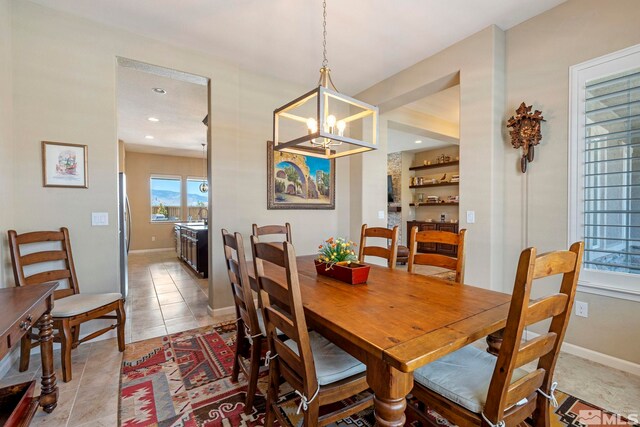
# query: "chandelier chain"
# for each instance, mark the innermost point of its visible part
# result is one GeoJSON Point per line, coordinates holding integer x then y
{"type": "Point", "coordinates": [325, 61]}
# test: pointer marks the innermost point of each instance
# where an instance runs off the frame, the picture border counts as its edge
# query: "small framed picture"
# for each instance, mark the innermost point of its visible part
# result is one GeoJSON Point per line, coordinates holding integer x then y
{"type": "Point", "coordinates": [64, 165]}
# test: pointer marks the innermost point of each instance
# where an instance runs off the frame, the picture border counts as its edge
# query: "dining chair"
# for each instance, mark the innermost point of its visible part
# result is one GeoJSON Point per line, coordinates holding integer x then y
{"type": "Point", "coordinates": [455, 265]}
{"type": "Point", "coordinates": [33, 264]}
{"type": "Point", "coordinates": [318, 370]}
{"type": "Point", "coordinates": [251, 332]}
{"type": "Point", "coordinates": [470, 387]}
{"type": "Point", "coordinates": [273, 229]}
{"type": "Point", "coordinates": [388, 251]}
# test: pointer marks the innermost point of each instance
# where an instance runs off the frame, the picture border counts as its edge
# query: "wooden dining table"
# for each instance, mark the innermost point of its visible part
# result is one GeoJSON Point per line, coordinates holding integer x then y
{"type": "Point", "coordinates": [396, 323]}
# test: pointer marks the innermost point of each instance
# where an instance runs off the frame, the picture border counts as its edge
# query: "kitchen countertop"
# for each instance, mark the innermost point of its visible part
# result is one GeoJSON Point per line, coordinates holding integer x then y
{"type": "Point", "coordinates": [195, 226]}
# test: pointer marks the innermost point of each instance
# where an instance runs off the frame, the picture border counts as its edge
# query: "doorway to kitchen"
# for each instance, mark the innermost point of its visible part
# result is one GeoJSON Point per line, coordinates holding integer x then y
{"type": "Point", "coordinates": [164, 203]}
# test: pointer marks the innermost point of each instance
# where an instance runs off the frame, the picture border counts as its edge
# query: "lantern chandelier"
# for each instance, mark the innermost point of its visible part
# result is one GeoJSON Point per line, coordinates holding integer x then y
{"type": "Point", "coordinates": [323, 122]}
{"type": "Point", "coordinates": [204, 185]}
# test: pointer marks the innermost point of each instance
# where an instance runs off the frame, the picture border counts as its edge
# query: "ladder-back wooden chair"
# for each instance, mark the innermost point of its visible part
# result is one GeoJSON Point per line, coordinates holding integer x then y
{"type": "Point", "coordinates": [266, 230]}
{"type": "Point", "coordinates": [71, 308]}
{"type": "Point", "coordinates": [388, 252]}
{"type": "Point", "coordinates": [251, 332]}
{"type": "Point", "coordinates": [454, 264]}
{"type": "Point", "coordinates": [319, 371]}
{"type": "Point", "coordinates": [473, 388]}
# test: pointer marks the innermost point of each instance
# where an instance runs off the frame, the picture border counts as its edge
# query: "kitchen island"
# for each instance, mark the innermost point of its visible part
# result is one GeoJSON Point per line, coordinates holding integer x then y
{"type": "Point", "coordinates": [192, 245]}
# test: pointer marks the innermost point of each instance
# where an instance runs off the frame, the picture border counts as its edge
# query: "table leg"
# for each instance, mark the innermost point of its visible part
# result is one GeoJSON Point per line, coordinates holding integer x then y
{"type": "Point", "coordinates": [391, 388]}
{"type": "Point", "coordinates": [49, 394]}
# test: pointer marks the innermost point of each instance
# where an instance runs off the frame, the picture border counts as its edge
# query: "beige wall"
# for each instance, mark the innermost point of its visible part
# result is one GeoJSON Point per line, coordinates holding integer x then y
{"type": "Point", "coordinates": [480, 61]}
{"type": "Point", "coordinates": [140, 167]}
{"type": "Point", "coordinates": [6, 143]}
{"type": "Point", "coordinates": [65, 75]}
{"type": "Point", "coordinates": [536, 203]}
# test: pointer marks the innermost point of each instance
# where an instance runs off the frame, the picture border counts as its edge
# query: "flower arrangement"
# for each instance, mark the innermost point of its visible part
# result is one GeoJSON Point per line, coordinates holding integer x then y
{"type": "Point", "coordinates": [337, 251]}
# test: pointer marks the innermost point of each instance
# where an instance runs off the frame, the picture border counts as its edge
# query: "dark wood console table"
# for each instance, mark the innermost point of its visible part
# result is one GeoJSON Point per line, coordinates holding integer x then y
{"type": "Point", "coordinates": [21, 308]}
{"type": "Point", "coordinates": [438, 248]}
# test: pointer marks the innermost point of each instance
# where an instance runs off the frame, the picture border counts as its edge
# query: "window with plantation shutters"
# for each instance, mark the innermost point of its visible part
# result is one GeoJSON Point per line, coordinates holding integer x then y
{"type": "Point", "coordinates": [604, 193]}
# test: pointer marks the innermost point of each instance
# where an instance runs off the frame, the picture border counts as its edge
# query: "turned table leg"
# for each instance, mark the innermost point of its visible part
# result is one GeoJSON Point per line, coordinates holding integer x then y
{"type": "Point", "coordinates": [391, 388]}
{"type": "Point", "coordinates": [49, 395]}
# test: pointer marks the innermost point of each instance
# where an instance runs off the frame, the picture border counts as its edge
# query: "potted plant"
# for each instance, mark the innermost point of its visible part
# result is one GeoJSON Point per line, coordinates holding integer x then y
{"type": "Point", "coordinates": [337, 259]}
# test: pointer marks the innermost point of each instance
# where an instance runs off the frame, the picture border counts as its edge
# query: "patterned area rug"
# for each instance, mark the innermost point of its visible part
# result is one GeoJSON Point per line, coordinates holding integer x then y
{"type": "Point", "coordinates": [184, 380]}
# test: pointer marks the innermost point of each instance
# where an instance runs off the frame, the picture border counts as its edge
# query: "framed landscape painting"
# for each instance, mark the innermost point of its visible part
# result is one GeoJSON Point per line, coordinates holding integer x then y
{"type": "Point", "coordinates": [64, 165]}
{"type": "Point", "coordinates": [295, 181]}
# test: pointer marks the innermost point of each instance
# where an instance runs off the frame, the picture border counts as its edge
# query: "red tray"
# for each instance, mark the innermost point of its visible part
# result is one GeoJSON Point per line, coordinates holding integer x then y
{"type": "Point", "coordinates": [353, 274]}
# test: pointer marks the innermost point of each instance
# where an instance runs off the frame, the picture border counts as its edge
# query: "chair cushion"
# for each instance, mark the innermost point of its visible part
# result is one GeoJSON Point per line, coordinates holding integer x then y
{"type": "Point", "coordinates": [332, 363]}
{"type": "Point", "coordinates": [81, 303]}
{"type": "Point", "coordinates": [462, 377]}
{"type": "Point", "coordinates": [403, 251]}
{"type": "Point", "coordinates": [446, 275]}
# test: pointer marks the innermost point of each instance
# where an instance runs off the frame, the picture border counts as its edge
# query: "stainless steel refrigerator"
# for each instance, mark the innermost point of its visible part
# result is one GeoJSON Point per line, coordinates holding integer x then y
{"type": "Point", "coordinates": [124, 228]}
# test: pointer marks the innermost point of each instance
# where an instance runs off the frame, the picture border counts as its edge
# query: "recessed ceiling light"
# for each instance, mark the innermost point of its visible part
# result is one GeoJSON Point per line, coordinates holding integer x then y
{"type": "Point", "coordinates": [159, 90]}
{"type": "Point", "coordinates": [153, 119]}
{"type": "Point", "coordinates": [149, 136]}
{"type": "Point", "coordinates": [418, 141]}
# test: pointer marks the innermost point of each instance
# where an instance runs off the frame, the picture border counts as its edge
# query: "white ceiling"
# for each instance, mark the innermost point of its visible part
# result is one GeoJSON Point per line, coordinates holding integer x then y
{"type": "Point", "coordinates": [444, 105]}
{"type": "Point", "coordinates": [405, 140]}
{"type": "Point", "coordinates": [368, 40]}
{"type": "Point", "coordinates": [179, 131]}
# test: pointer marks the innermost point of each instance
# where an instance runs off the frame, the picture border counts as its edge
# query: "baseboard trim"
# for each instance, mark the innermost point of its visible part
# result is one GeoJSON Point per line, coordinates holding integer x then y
{"type": "Point", "coordinates": [595, 356]}
{"type": "Point", "coordinates": [142, 251]}
{"type": "Point", "coordinates": [223, 311]}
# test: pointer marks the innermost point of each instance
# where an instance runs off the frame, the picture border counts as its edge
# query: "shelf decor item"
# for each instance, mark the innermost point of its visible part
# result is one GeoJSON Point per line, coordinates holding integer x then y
{"type": "Point", "coordinates": [337, 259]}
{"type": "Point", "coordinates": [64, 165]}
{"type": "Point", "coordinates": [319, 122]}
{"type": "Point", "coordinates": [525, 132]}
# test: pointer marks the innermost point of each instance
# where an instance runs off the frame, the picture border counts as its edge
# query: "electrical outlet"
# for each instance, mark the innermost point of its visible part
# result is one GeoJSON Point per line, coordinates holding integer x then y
{"type": "Point", "coordinates": [471, 217]}
{"type": "Point", "coordinates": [582, 309]}
{"type": "Point", "coordinates": [153, 238]}
{"type": "Point", "coordinates": [99, 218]}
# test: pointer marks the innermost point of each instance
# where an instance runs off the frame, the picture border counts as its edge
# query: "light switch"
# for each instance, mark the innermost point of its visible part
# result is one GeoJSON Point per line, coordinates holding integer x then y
{"type": "Point", "coordinates": [99, 218]}
{"type": "Point", "coordinates": [380, 214]}
{"type": "Point", "coordinates": [471, 217]}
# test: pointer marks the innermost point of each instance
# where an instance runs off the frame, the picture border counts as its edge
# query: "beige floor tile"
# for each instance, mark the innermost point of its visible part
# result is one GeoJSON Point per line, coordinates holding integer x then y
{"type": "Point", "coordinates": [94, 403]}
{"type": "Point", "coordinates": [60, 415]}
{"type": "Point", "coordinates": [20, 377]}
{"type": "Point", "coordinates": [181, 324]}
{"type": "Point", "coordinates": [145, 334]}
{"type": "Point", "coordinates": [108, 421]}
{"type": "Point", "coordinates": [162, 281]}
{"type": "Point", "coordinates": [175, 310]}
{"type": "Point", "coordinates": [166, 288]}
{"type": "Point", "coordinates": [192, 292]}
{"type": "Point", "coordinates": [142, 304]}
{"type": "Point", "coordinates": [170, 297]}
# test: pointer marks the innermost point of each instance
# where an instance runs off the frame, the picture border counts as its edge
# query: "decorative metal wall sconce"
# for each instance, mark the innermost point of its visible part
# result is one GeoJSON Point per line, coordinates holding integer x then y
{"type": "Point", "coordinates": [525, 132]}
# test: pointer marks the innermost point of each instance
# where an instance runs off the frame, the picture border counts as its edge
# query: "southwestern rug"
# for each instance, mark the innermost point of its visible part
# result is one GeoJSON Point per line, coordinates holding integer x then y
{"type": "Point", "coordinates": [184, 380]}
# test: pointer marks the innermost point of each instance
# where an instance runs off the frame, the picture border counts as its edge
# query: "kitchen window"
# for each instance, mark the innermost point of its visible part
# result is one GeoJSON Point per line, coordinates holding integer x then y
{"type": "Point", "coordinates": [604, 168]}
{"type": "Point", "coordinates": [197, 201]}
{"type": "Point", "coordinates": [166, 198]}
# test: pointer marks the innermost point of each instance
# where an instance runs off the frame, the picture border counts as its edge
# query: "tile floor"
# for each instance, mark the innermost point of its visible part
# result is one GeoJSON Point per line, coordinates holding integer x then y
{"type": "Point", "coordinates": [165, 297]}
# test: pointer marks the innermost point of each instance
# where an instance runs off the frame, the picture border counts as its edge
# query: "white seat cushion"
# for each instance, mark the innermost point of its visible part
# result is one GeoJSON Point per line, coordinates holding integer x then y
{"type": "Point", "coordinates": [462, 377]}
{"type": "Point", "coordinates": [81, 303]}
{"type": "Point", "coordinates": [332, 363]}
